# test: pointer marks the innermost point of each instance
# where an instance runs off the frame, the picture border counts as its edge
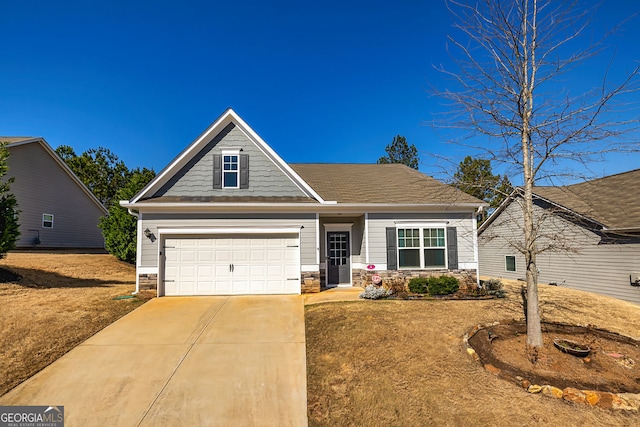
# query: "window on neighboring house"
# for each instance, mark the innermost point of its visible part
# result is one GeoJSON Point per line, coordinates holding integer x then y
{"type": "Point", "coordinates": [47, 221]}
{"type": "Point", "coordinates": [510, 263]}
{"type": "Point", "coordinates": [230, 178]}
{"type": "Point", "coordinates": [421, 248]}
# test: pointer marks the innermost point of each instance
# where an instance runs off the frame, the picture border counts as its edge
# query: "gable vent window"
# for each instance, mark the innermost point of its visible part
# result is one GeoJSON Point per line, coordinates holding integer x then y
{"type": "Point", "coordinates": [230, 172]}
{"type": "Point", "coordinates": [47, 221]}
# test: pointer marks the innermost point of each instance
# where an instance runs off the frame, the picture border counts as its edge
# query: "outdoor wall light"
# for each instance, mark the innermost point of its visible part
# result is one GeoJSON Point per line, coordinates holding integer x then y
{"type": "Point", "coordinates": [149, 235]}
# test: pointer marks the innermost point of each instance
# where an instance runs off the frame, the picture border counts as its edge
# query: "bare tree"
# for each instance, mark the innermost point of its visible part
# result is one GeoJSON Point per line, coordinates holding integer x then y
{"type": "Point", "coordinates": [512, 57]}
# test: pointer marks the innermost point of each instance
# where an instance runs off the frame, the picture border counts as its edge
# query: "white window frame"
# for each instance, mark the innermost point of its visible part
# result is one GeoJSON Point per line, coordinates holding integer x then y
{"type": "Point", "coordinates": [515, 264]}
{"type": "Point", "coordinates": [226, 153]}
{"type": "Point", "coordinates": [421, 227]}
{"type": "Point", "coordinates": [46, 220]}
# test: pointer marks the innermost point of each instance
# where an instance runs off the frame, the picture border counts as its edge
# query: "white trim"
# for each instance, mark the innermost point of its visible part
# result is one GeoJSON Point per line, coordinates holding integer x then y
{"type": "Point", "coordinates": [333, 227]}
{"type": "Point", "coordinates": [309, 267]}
{"type": "Point", "coordinates": [229, 230]}
{"type": "Point", "coordinates": [468, 266]}
{"type": "Point", "coordinates": [317, 238]}
{"type": "Point", "coordinates": [147, 270]}
{"type": "Point", "coordinates": [51, 221]}
{"type": "Point", "coordinates": [366, 237]}
{"type": "Point", "coordinates": [363, 266]}
{"type": "Point", "coordinates": [421, 225]}
{"type": "Point", "coordinates": [230, 152]}
{"type": "Point", "coordinates": [476, 257]}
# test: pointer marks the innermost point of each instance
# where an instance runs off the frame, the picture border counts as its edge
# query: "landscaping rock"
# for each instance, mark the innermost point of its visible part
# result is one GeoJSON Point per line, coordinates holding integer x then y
{"type": "Point", "coordinates": [492, 369]}
{"type": "Point", "coordinates": [571, 394]}
{"type": "Point", "coordinates": [626, 402]}
{"type": "Point", "coordinates": [591, 397]}
{"type": "Point", "coordinates": [534, 388]}
{"type": "Point", "coordinates": [551, 391]}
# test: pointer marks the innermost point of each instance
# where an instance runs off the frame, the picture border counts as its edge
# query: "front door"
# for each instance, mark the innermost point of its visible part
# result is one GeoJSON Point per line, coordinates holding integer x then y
{"type": "Point", "coordinates": [338, 264]}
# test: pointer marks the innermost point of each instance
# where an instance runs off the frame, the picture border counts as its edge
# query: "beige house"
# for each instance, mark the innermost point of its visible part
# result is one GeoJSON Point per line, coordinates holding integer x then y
{"type": "Point", "coordinates": [56, 209]}
{"type": "Point", "coordinates": [230, 216]}
{"type": "Point", "coordinates": [591, 230]}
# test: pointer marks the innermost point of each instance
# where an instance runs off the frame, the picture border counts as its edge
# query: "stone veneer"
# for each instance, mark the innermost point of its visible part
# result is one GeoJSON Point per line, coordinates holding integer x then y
{"type": "Point", "coordinates": [148, 281]}
{"type": "Point", "coordinates": [309, 283]}
{"type": "Point", "coordinates": [399, 279]}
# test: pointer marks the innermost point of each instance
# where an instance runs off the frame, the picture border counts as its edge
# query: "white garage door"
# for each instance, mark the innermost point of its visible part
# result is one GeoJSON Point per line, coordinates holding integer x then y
{"type": "Point", "coordinates": [232, 265]}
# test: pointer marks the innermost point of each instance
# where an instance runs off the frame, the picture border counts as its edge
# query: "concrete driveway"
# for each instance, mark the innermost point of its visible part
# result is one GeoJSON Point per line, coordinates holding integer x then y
{"type": "Point", "coordinates": [176, 361]}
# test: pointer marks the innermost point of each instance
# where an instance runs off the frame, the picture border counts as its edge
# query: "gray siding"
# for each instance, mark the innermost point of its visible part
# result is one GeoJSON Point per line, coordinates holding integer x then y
{"type": "Point", "coordinates": [42, 186]}
{"type": "Point", "coordinates": [149, 255]}
{"type": "Point", "coordinates": [358, 248]}
{"type": "Point", "coordinates": [590, 265]}
{"type": "Point", "coordinates": [462, 221]}
{"type": "Point", "coordinates": [196, 178]}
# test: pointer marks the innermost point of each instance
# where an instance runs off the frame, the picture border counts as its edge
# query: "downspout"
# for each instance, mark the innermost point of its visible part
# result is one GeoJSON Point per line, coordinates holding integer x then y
{"type": "Point", "coordinates": [475, 243]}
{"type": "Point", "coordinates": [138, 233]}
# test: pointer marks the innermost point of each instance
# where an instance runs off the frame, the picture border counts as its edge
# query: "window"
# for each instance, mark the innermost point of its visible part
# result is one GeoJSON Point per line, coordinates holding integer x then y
{"type": "Point", "coordinates": [421, 248]}
{"type": "Point", "coordinates": [47, 221]}
{"type": "Point", "coordinates": [510, 263]}
{"type": "Point", "coordinates": [230, 171]}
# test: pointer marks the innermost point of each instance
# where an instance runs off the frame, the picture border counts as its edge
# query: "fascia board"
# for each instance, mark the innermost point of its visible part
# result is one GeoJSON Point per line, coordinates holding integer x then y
{"type": "Point", "coordinates": [296, 207]}
{"type": "Point", "coordinates": [45, 145]}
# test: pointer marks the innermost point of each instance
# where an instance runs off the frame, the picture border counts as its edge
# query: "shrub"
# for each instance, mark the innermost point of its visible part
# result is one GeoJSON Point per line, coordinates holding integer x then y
{"type": "Point", "coordinates": [494, 287]}
{"type": "Point", "coordinates": [443, 285]}
{"type": "Point", "coordinates": [375, 292]}
{"type": "Point", "coordinates": [418, 285]}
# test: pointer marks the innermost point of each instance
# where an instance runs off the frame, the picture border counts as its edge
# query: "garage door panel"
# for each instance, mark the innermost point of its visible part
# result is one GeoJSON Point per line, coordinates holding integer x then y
{"type": "Point", "coordinates": [238, 264]}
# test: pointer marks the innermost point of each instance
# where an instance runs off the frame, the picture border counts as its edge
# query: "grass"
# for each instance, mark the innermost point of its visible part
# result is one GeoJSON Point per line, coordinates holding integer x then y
{"type": "Point", "coordinates": [402, 363]}
{"type": "Point", "coordinates": [61, 300]}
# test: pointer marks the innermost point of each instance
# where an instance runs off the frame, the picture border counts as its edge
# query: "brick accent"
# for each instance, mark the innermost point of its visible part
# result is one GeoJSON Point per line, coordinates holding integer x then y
{"type": "Point", "coordinates": [399, 279]}
{"type": "Point", "coordinates": [310, 282]}
{"type": "Point", "coordinates": [148, 281]}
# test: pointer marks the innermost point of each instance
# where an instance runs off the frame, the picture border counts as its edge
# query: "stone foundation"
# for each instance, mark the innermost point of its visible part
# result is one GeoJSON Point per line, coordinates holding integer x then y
{"type": "Point", "coordinates": [310, 282]}
{"type": "Point", "coordinates": [148, 281]}
{"type": "Point", "coordinates": [398, 280]}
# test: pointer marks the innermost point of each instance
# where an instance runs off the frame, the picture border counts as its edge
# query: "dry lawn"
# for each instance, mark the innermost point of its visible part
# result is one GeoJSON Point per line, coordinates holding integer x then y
{"type": "Point", "coordinates": [402, 363]}
{"type": "Point", "coordinates": [61, 300]}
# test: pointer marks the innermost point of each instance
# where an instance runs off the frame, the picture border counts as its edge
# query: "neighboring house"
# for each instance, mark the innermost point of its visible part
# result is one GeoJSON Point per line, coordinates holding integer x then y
{"type": "Point", "coordinates": [592, 230]}
{"type": "Point", "coordinates": [56, 209]}
{"type": "Point", "coordinates": [229, 216]}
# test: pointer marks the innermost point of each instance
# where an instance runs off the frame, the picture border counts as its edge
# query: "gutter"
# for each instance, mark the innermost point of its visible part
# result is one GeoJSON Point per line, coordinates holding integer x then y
{"type": "Point", "coordinates": [138, 245]}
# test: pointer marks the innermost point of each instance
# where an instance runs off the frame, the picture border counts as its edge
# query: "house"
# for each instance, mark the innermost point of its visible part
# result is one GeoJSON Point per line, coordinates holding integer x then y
{"type": "Point", "coordinates": [56, 208]}
{"type": "Point", "coordinates": [229, 216]}
{"type": "Point", "coordinates": [591, 231]}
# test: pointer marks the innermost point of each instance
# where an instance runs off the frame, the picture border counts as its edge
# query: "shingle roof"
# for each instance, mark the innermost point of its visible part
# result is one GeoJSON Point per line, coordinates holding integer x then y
{"type": "Point", "coordinates": [379, 183]}
{"type": "Point", "coordinates": [612, 201]}
{"type": "Point", "coordinates": [13, 139]}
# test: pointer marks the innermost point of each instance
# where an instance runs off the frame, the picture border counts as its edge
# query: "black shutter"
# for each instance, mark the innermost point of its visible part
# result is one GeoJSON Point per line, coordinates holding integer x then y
{"type": "Point", "coordinates": [244, 171]}
{"type": "Point", "coordinates": [392, 249]}
{"type": "Point", "coordinates": [217, 171]}
{"type": "Point", "coordinates": [452, 248]}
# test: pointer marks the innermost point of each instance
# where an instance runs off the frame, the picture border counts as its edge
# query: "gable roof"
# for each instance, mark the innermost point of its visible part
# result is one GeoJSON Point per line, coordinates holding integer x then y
{"type": "Point", "coordinates": [229, 116]}
{"type": "Point", "coordinates": [380, 183]}
{"type": "Point", "coordinates": [322, 184]}
{"type": "Point", "coordinates": [610, 202]}
{"type": "Point", "coordinates": [15, 141]}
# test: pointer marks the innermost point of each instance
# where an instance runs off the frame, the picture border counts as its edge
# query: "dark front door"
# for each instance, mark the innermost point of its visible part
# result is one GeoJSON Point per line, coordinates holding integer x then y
{"type": "Point", "coordinates": [338, 265]}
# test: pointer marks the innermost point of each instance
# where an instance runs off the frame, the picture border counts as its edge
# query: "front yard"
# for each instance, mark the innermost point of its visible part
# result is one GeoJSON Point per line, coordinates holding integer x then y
{"type": "Point", "coordinates": [403, 363]}
{"type": "Point", "coordinates": [61, 300]}
{"type": "Point", "coordinates": [385, 363]}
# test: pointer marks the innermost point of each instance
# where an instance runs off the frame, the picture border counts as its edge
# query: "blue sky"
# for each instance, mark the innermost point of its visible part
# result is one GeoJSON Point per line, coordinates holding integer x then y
{"type": "Point", "coordinates": [330, 81]}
